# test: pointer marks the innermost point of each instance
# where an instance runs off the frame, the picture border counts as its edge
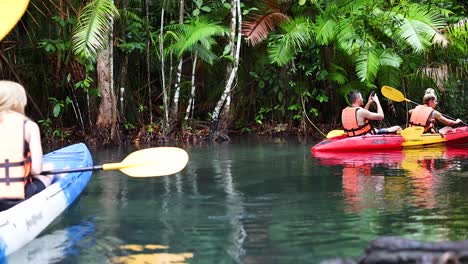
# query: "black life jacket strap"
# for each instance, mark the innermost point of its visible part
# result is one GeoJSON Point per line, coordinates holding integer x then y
{"type": "Point", "coordinates": [7, 165]}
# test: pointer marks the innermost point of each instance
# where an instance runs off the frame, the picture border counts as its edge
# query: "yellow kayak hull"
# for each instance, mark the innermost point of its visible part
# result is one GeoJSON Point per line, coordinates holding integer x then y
{"type": "Point", "coordinates": [11, 12]}
{"type": "Point", "coordinates": [425, 139]}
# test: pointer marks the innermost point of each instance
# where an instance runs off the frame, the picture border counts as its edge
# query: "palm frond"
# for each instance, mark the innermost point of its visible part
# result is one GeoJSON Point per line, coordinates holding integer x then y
{"type": "Point", "coordinates": [199, 31]}
{"type": "Point", "coordinates": [338, 74]}
{"type": "Point", "coordinates": [386, 58]}
{"type": "Point", "coordinates": [298, 32]}
{"type": "Point", "coordinates": [458, 35]}
{"type": "Point", "coordinates": [389, 76]}
{"type": "Point", "coordinates": [418, 27]}
{"type": "Point", "coordinates": [325, 30]}
{"type": "Point", "coordinates": [280, 52]}
{"type": "Point", "coordinates": [367, 66]}
{"type": "Point", "coordinates": [205, 55]}
{"type": "Point", "coordinates": [257, 29]}
{"type": "Point", "coordinates": [347, 39]}
{"type": "Point", "coordinates": [91, 32]}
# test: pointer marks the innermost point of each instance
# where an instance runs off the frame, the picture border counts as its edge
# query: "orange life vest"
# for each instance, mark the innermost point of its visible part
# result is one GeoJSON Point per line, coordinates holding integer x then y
{"type": "Point", "coordinates": [422, 116]}
{"type": "Point", "coordinates": [350, 123]}
{"type": "Point", "coordinates": [15, 158]}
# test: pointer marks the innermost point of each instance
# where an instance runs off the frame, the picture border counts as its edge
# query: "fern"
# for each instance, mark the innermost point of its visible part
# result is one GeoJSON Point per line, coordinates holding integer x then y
{"type": "Point", "coordinates": [92, 29]}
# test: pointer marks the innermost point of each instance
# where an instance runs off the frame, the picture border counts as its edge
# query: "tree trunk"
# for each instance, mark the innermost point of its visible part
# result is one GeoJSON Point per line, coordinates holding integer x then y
{"type": "Point", "coordinates": [174, 123]}
{"type": "Point", "coordinates": [163, 76]}
{"type": "Point", "coordinates": [191, 102]}
{"type": "Point", "coordinates": [148, 67]}
{"type": "Point", "coordinates": [107, 127]}
{"type": "Point", "coordinates": [221, 118]}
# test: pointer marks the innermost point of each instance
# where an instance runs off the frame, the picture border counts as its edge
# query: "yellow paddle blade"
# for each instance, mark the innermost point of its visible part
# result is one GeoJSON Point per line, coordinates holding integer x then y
{"type": "Point", "coordinates": [392, 94]}
{"type": "Point", "coordinates": [335, 133]}
{"type": "Point", "coordinates": [412, 133]}
{"type": "Point", "coordinates": [10, 13]}
{"type": "Point", "coordinates": [151, 162]}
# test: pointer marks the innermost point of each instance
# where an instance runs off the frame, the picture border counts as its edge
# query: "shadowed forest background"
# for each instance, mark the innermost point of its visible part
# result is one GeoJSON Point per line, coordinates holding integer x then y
{"type": "Point", "coordinates": [107, 71]}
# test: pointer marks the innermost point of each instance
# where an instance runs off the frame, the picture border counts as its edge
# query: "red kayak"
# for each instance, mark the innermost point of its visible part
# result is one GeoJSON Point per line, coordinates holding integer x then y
{"type": "Point", "coordinates": [390, 141]}
{"type": "Point", "coordinates": [390, 157]}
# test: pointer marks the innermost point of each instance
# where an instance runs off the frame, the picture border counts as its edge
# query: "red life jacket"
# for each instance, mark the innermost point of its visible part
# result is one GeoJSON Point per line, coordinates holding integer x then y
{"type": "Point", "coordinates": [15, 158]}
{"type": "Point", "coordinates": [422, 116]}
{"type": "Point", "coordinates": [350, 123]}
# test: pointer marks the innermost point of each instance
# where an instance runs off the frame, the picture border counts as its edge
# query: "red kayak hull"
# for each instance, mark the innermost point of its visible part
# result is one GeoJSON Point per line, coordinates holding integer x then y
{"type": "Point", "coordinates": [390, 141]}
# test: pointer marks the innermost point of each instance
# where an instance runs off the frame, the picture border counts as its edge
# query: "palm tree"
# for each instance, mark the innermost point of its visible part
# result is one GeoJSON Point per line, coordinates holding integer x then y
{"type": "Point", "coordinates": [195, 37]}
{"type": "Point", "coordinates": [92, 41]}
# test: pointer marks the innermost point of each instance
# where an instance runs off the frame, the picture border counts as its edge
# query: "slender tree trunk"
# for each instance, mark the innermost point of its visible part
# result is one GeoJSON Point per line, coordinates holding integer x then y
{"type": "Point", "coordinates": [107, 125]}
{"type": "Point", "coordinates": [191, 103]}
{"type": "Point", "coordinates": [123, 67]}
{"type": "Point", "coordinates": [148, 67]}
{"type": "Point", "coordinates": [163, 78]}
{"type": "Point", "coordinates": [174, 120]}
{"type": "Point", "coordinates": [221, 117]}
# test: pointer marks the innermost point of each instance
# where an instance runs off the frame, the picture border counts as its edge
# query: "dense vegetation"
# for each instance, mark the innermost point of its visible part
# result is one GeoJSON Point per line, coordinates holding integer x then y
{"type": "Point", "coordinates": [164, 70]}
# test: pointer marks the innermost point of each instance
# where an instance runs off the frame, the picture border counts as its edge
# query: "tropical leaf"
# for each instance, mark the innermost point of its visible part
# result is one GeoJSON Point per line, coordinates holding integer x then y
{"type": "Point", "coordinates": [194, 35]}
{"type": "Point", "coordinates": [257, 30]}
{"type": "Point", "coordinates": [297, 35]}
{"type": "Point", "coordinates": [387, 58]}
{"type": "Point", "coordinates": [367, 66]}
{"type": "Point", "coordinates": [389, 76]}
{"type": "Point", "coordinates": [324, 30]}
{"type": "Point", "coordinates": [92, 29]}
{"type": "Point", "coordinates": [418, 26]}
{"type": "Point", "coordinates": [298, 32]}
{"type": "Point", "coordinates": [204, 54]}
{"type": "Point", "coordinates": [458, 35]}
{"type": "Point", "coordinates": [280, 52]}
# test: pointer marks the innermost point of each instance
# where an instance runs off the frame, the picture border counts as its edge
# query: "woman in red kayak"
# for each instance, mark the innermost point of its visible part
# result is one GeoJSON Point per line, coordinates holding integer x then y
{"type": "Point", "coordinates": [21, 151]}
{"type": "Point", "coordinates": [356, 119]}
{"type": "Point", "coordinates": [425, 115]}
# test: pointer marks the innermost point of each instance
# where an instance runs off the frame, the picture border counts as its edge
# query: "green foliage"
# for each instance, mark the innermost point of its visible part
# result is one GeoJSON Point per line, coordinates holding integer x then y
{"type": "Point", "coordinates": [297, 35]}
{"type": "Point", "coordinates": [51, 133]}
{"type": "Point", "coordinates": [135, 34]}
{"type": "Point", "coordinates": [59, 106]}
{"type": "Point", "coordinates": [261, 114]}
{"type": "Point", "coordinates": [92, 29]}
{"type": "Point", "coordinates": [196, 36]}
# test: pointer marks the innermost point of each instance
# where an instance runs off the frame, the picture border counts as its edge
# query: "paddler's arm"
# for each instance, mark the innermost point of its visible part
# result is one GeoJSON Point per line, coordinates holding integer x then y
{"type": "Point", "coordinates": [369, 102]}
{"type": "Point", "coordinates": [446, 121]}
{"type": "Point", "coordinates": [371, 115]}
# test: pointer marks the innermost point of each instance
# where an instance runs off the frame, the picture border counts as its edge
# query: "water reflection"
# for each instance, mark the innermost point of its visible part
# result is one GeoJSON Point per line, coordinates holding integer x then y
{"type": "Point", "coordinates": [148, 254]}
{"type": "Point", "coordinates": [53, 247]}
{"type": "Point", "coordinates": [394, 179]}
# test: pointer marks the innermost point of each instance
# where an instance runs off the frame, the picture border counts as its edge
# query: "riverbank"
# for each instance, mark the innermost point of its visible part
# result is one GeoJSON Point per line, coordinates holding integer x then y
{"type": "Point", "coordinates": [153, 135]}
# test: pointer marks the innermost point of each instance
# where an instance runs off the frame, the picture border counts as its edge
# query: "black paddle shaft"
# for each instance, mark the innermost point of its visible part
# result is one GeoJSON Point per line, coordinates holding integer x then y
{"type": "Point", "coordinates": [93, 168]}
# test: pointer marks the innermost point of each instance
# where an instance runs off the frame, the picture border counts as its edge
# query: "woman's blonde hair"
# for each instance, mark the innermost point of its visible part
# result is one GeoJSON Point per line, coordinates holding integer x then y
{"type": "Point", "coordinates": [429, 95]}
{"type": "Point", "coordinates": [12, 97]}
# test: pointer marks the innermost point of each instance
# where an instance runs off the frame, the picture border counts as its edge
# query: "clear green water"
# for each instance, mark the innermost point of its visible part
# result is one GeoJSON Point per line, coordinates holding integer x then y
{"type": "Point", "coordinates": [260, 201]}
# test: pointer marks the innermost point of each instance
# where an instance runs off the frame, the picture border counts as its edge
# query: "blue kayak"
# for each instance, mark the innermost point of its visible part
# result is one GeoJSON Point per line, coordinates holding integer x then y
{"type": "Point", "coordinates": [23, 222]}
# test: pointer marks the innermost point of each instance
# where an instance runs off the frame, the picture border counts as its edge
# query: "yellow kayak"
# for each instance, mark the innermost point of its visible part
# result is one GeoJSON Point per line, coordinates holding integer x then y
{"type": "Point", "coordinates": [11, 12]}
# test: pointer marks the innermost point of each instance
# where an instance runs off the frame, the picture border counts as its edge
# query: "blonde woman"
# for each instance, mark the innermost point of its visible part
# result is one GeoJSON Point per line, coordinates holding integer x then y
{"type": "Point", "coordinates": [425, 115]}
{"type": "Point", "coordinates": [21, 149]}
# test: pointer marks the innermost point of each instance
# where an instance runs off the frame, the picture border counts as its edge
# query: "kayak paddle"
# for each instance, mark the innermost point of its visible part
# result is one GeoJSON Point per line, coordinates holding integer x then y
{"type": "Point", "coordinates": [10, 13]}
{"type": "Point", "coordinates": [150, 162]}
{"type": "Point", "coordinates": [411, 133]}
{"type": "Point", "coordinates": [397, 96]}
{"type": "Point", "coordinates": [335, 133]}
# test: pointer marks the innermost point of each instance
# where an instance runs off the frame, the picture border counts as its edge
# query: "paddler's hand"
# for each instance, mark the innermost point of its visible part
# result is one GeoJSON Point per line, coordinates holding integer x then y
{"type": "Point", "coordinates": [374, 98]}
{"type": "Point", "coordinates": [457, 122]}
